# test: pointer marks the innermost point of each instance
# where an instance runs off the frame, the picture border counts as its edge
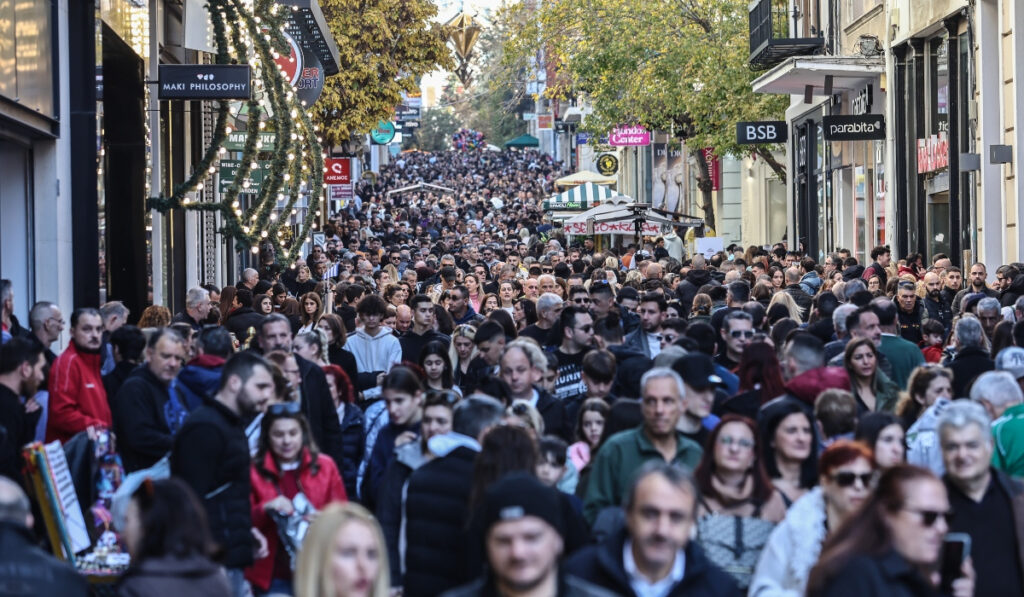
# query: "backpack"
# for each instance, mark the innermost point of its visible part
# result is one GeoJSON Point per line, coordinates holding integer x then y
{"type": "Point", "coordinates": [734, 543]}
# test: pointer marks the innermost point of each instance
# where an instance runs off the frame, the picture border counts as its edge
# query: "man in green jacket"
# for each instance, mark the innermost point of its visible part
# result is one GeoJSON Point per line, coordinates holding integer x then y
{"type": "Point", "coordinates": [657, 438]}
{"type": "Point", "coordinates": [904, 355]}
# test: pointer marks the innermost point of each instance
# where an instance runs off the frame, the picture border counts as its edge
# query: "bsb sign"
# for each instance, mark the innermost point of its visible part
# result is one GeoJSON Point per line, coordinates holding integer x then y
{"type": "Point", "coordinates": [204, 81]}
{"type": "Point", "coordinates": [750, 133]}
{"type": "Point", "coordinates": [867, 127]}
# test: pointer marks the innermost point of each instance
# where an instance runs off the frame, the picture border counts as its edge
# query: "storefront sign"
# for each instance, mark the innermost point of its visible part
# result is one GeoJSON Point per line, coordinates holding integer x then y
{"type": "Point", "coordinates": [339, 171]}
{"type": "Point", "coordinates": [932, 153]}
{"type": "Point", "coordinates": [384, 133]}
{"type": "Point", "coordinates": [861, 103]}
{"type": "Point", "coordinates": [774, 131]}
{"type": "Point", "coordinates": [544, 121]}
{"type": "Point", "coordinates": [867, 127]}
{"type": "Point", "coordinates": [630, 136]}
{"type": "Point", "coordinates": [582, 138]}
{"type": "Point", "coordinates": [236, 141]}
{"type": "Point", "coordinates": [625, 227]}
{"type": "Point", "coordinates": [204, 81]}
{"type": "Point", "coordinates": [228, 169]}
{"type": "Point", "coordinates": [607, 164]}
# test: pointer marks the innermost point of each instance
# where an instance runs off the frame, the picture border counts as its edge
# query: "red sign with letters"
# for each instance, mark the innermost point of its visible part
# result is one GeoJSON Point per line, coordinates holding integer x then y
{"type": "Point", "coordinates": [339, 171]}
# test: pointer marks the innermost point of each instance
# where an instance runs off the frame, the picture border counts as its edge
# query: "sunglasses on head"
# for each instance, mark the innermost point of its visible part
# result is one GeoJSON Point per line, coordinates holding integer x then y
{"type": "Point", "coordinates": [847, 478]}
{"type": "Point", "coordinates": [929, 517]}
{"type": "Point", "coordinates": [284, 408]}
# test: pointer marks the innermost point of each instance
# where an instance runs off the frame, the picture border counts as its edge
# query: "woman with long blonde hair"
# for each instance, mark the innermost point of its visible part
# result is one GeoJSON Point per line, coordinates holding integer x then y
{"type": "Point", "coordinates": [795, 312]}
{"type": "Point", "coordinates": [343, 555]}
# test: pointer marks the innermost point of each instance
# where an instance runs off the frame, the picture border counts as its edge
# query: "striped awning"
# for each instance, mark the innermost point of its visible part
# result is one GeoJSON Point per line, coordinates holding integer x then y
{"type": "Point", "coordinates": [583, 197]}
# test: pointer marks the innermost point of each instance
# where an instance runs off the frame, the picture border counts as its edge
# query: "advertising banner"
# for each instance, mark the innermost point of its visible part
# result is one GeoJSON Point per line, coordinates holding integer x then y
{"type": "Point", "coordinates": [629, 136]}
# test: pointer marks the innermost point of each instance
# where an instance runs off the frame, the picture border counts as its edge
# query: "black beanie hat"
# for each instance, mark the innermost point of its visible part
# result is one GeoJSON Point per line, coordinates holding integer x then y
{"type": "Point", "coordinates": [518, 495]}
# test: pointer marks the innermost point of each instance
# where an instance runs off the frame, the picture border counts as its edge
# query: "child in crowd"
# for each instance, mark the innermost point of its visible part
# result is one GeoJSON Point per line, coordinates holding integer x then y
{"type": "Point", "coordinates": [934, 340]}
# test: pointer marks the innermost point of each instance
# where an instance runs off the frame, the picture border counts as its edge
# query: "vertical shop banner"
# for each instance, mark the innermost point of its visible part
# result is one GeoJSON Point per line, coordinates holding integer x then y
{"type": "Point", "coordinates": [714, 168]}
{"type": "Point", "coordinates": [659, 170]}
{"type": "Point", "coordinates": [674, 182]}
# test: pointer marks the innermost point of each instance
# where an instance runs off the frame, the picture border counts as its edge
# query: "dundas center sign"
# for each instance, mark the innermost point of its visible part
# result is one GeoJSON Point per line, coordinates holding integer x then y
{"type": "Point", "coordinates": [629, 136]}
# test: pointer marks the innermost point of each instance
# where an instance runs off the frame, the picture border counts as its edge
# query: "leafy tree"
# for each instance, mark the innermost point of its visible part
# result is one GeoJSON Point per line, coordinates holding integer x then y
{"type": "Point", "coordinates": [385, 46]}
{"type": "Point", "coordinates": [436, 128]}
{"type": "Point", "coordinates": [672, 65]}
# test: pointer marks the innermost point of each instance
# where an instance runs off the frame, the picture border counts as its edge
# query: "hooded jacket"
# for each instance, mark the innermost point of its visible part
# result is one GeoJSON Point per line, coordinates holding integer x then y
{"type": "Point", "coordinates": [631, 363]}
{"type": "Point", "coordinates": [853, 272]}
{"type": "Point", "coordinates": [77, 396]}
{"type": "Point", "coordinates": [688, 288]}
{"type": "Point", "coordinates": [194, 576]}
{"type": "Point", "coordinates": [923, 439]}
{"type": "Point", "coordinates": [143, 436]}
{"type": "Point", "coordinates": [374, 355]}
{"type": "Point", "coordinates": [811, 283]}
{"type": "Point", "coordinates": [1008, 297]}
{"type": "Point", "coordinates": [240, 320]}
{"type": "Point", "coordinates": [199, 379]}
{"type": "Point", "coordinates": [806, 386]}
{"type": "Point", "coordinates": [792, 549]}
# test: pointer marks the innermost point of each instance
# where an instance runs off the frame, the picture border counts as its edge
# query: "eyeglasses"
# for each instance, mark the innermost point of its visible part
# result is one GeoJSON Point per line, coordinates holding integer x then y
{"type": "Point", "coordinates": [284, 408]}
{"type": "Point", "coordinates": [586, 328]}
{"type": "Point", "coordinates": [546, 270]}
{"type": "Point", "coordinates": [742, 333]}
{"type": "Point", "coordinates": [581, 301]}
{"type": "Point", "coordinates": [744, 444]}
{"type": "Point", "coordinates": [847, 478]}
{"type": "Point", "coordinates": [928, 517]}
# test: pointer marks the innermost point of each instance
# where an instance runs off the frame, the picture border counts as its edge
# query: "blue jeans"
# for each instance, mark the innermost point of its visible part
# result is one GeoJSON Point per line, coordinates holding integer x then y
{"type": "Point", "coordinates": [239, 586]}
{"type": "Point", "coordinates": [278, 588]}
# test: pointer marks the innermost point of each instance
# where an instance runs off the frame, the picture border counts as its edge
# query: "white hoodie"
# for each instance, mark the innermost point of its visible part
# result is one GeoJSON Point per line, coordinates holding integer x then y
{"type": "Point", "coordinates": [792, 549]}
{"type": "Point", "coordinates": [374, 353]}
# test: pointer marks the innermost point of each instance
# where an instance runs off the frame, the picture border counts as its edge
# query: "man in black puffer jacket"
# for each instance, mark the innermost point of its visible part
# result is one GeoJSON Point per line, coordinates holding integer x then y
{"type": "Point", "coordinates": [211, 454]}
{"type": "Point", "coordinates": [695, 278]}
{"type": "Point", "coordinates": [437, 500]}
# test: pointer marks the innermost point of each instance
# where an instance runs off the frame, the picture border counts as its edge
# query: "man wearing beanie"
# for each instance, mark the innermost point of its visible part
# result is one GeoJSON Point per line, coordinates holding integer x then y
{"type": "Point", "coordinates": [523, 525]}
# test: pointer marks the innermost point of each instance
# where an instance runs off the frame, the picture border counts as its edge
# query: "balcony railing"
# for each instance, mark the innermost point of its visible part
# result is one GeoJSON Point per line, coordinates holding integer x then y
{"type": "Point", "coordinates": [770, 38]}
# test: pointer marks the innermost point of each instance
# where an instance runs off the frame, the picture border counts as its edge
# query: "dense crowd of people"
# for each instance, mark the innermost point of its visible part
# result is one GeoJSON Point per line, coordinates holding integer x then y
{"type": "Point", "coordinates": [450, 397]}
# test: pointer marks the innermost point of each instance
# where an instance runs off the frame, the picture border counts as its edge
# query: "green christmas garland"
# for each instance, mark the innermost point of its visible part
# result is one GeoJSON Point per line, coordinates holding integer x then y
{"type": "Point", "coordinates": [256, 37]}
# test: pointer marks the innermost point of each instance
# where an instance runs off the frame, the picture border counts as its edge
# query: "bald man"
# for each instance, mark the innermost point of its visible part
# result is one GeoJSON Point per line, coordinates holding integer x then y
{"type": "Point", "coordinates": [934, 301]}
{"type": "Point", "coordinates": [28, 570]}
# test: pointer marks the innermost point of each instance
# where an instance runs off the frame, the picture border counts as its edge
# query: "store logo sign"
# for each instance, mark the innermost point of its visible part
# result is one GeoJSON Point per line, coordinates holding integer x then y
{"type": "Point", "coordinates": [629, 136]}
{"type": "Point", "coordinates": [866, 127]}
{"type": "Point", "coordinates": [204, 81]}
{"type": "Point", "coordinates": [932, 153]}
{"type": "Point", "coordinates": [774, 131]}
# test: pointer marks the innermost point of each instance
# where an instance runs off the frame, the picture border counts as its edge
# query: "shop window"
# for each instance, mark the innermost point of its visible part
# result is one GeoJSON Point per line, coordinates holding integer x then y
{"type": "Point", "coordinates": [17, 262]}
{"type": "Point", "coordinates": [26, 54]}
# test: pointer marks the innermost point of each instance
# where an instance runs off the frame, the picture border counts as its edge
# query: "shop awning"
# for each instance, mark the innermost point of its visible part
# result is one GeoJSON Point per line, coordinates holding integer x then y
{"type": "Point", "coordinates": [619, 219]}
{"type": "Point", "coordinates": [523, 141]}
{"type": "Point", "coordinates": [791, 77]}
{"type": "Point", "coordinates": [583, 197]}
{"type": "Point", "coordinates": [583, 176]}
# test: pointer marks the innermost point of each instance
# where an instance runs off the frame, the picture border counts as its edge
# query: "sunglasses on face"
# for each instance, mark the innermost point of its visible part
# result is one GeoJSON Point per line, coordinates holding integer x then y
{"type": "Point", "coordinates": [929, 517]}
{"type": "Point", "coordinates": [284, 408]}
{"type": "Point", "coordinates": [546, 270]}
{"type": "Point", "coordinates": [581, 301]}
{"type": "Point", "coordinates": [847, 478]}
{"type": "Point", "coordinates": [742, 333]}
{"type": "Point", "coordinates": [586, 328]}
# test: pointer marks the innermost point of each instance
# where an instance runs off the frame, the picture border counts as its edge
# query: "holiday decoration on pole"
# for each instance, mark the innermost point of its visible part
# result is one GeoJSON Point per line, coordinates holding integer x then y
{"type": "Point", "coordinates": [256, 37]}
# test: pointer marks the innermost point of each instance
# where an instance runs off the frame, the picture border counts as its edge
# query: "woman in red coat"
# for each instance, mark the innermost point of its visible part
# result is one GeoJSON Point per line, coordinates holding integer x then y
{"type": "Point", "coordinates": [286, 463]}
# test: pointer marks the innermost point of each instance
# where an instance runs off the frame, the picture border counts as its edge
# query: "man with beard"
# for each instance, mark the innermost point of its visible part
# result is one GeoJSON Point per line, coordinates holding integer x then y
{"type": "Point", "coordinates": [654, 553]}
{"type": "Point", "coordinates": [978, 276]}
{"type": "Point", "coordinates": [934, 303]}
{"type": "Point", "coordinates": [657, 439]}
{"type": "Point", "coordinates": [211, 454]}
{"type": "Point", "coordinates": [577, 337]}
{"type": "Point", "coordinates": [647, 338]}
{"type": "Point", "coordinates": [21, 372]}
{"type": "Point", "coordinates": [78, 401]}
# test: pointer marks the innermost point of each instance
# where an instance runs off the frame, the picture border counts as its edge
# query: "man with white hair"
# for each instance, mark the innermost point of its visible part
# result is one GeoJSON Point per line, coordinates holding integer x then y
{"type": "Point", "coordinates": [657, 438]}
{"type": "Point", "coordinates": [837, 346]}
{"type": "Point", "coordinates": [1001, 396]}
{"type": "Point", "coordinates": [549, 309]}
{"type": "Point", "coordinates": [971, 357]}
{"type": "Point", "coordinates": [197, 307]}
{"type": "Point", "coordinates": [986, 503]}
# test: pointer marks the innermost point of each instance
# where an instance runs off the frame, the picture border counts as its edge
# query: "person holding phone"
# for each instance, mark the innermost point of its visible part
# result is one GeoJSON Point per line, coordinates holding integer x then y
{"type": "Point", "coordinates": [894, 543]}
{"type": "Point", "coordinates": [988, 504]}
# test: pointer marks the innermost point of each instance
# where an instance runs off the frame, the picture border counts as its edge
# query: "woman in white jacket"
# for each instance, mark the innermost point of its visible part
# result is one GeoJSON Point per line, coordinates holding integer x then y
{"type": "Point", "coordinates": [847, 472]}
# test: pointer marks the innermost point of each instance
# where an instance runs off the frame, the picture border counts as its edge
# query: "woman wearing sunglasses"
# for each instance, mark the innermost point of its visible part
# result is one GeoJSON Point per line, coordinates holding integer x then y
{"type": "Point", "coordinates": [738, 505]}
{"type": "Point", "coordinates": [846, 470]}
{"type": "Point", "coordinates": [893, 545]}
{"type": "Point", "coordinates": [872, 388]}
{"type": "Point", "coordinates": [287, 463]}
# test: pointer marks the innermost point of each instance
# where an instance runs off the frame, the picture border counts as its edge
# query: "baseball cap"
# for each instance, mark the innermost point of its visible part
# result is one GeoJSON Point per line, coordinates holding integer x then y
{"type": "Point", "coordinates": [1011, 360]}
{"type": "Point", "coordinates": [697, 370]}
{"type": "Point", "coordinates": [518, 495]}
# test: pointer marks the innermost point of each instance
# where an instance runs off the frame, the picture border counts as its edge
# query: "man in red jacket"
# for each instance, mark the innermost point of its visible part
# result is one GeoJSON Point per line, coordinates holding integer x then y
{"type": "Point", "coordinates": [77, 398]}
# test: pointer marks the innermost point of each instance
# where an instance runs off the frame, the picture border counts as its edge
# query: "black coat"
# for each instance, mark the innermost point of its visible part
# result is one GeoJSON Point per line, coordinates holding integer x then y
{"type": "Point", "coordinates": [910, 323]}
{"type": "Point", "coordinates": [211, 454]}
{"type": "Point", "coordinates": [555, 415]}
{"type": "Point", "coordinates": [240, 320]}
{"type": "Point", "coordinates": [319, 409]}
{"type": "Point", "coordinates": [143, 436]}
{"type": "Point", "coordinates": [802, 299]}
{"type": "Point", "coordinates": [344, 359]}
{"type": "Point", "coordinates": [113, 381]}
{"type": "Point", "coordinates": [888, 574]}
{"type": "Point", "coordinates": [968, 364]}
{"type": "Point", "coordinates": [353, 440]}
{"type": "Point", "coordinates": [940, 311]}
{"type": "Point", "coordinates": [688, 288]}
{"type": "Point", "coordinates": [413, 343]}
{"type": "Point", "coordinates": [602, 565]}
{"type": "Point", "coordinates": [436, 502]}
{"type": "Point", "coordinates": [28, 571]}
{"type": "Point", "coordinates": [17, 428]}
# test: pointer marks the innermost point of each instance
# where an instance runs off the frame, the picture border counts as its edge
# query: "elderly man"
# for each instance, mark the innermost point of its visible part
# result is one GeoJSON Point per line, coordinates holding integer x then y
{"type": "Point", "coordinates": [989, 315]}
{"type": "Point", "coordinates": [971, 358]}
{"type": "Point", "coordinates": [249, 279]}
{"type": "Point", "coordinates": [837, 346]}
{"type": "Point", "coordinates": [654, 553]}
{"type": "Point", "coordinates": [522, 366]}
{"type": "Point", "coordinates": [197, 307]}
{"type": "Point", "coordinates": [986, 503]}
{"type": "Point", "coordinates": [549, 309]}
{"type": "Point", "coordinates": [1000, 394]}
{"type": "Point", "coordinates": [657, 438]}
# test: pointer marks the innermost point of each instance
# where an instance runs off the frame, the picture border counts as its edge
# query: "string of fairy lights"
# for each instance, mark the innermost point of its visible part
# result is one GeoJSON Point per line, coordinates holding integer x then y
{"type": "Point", "coordinates": [252, 32]}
